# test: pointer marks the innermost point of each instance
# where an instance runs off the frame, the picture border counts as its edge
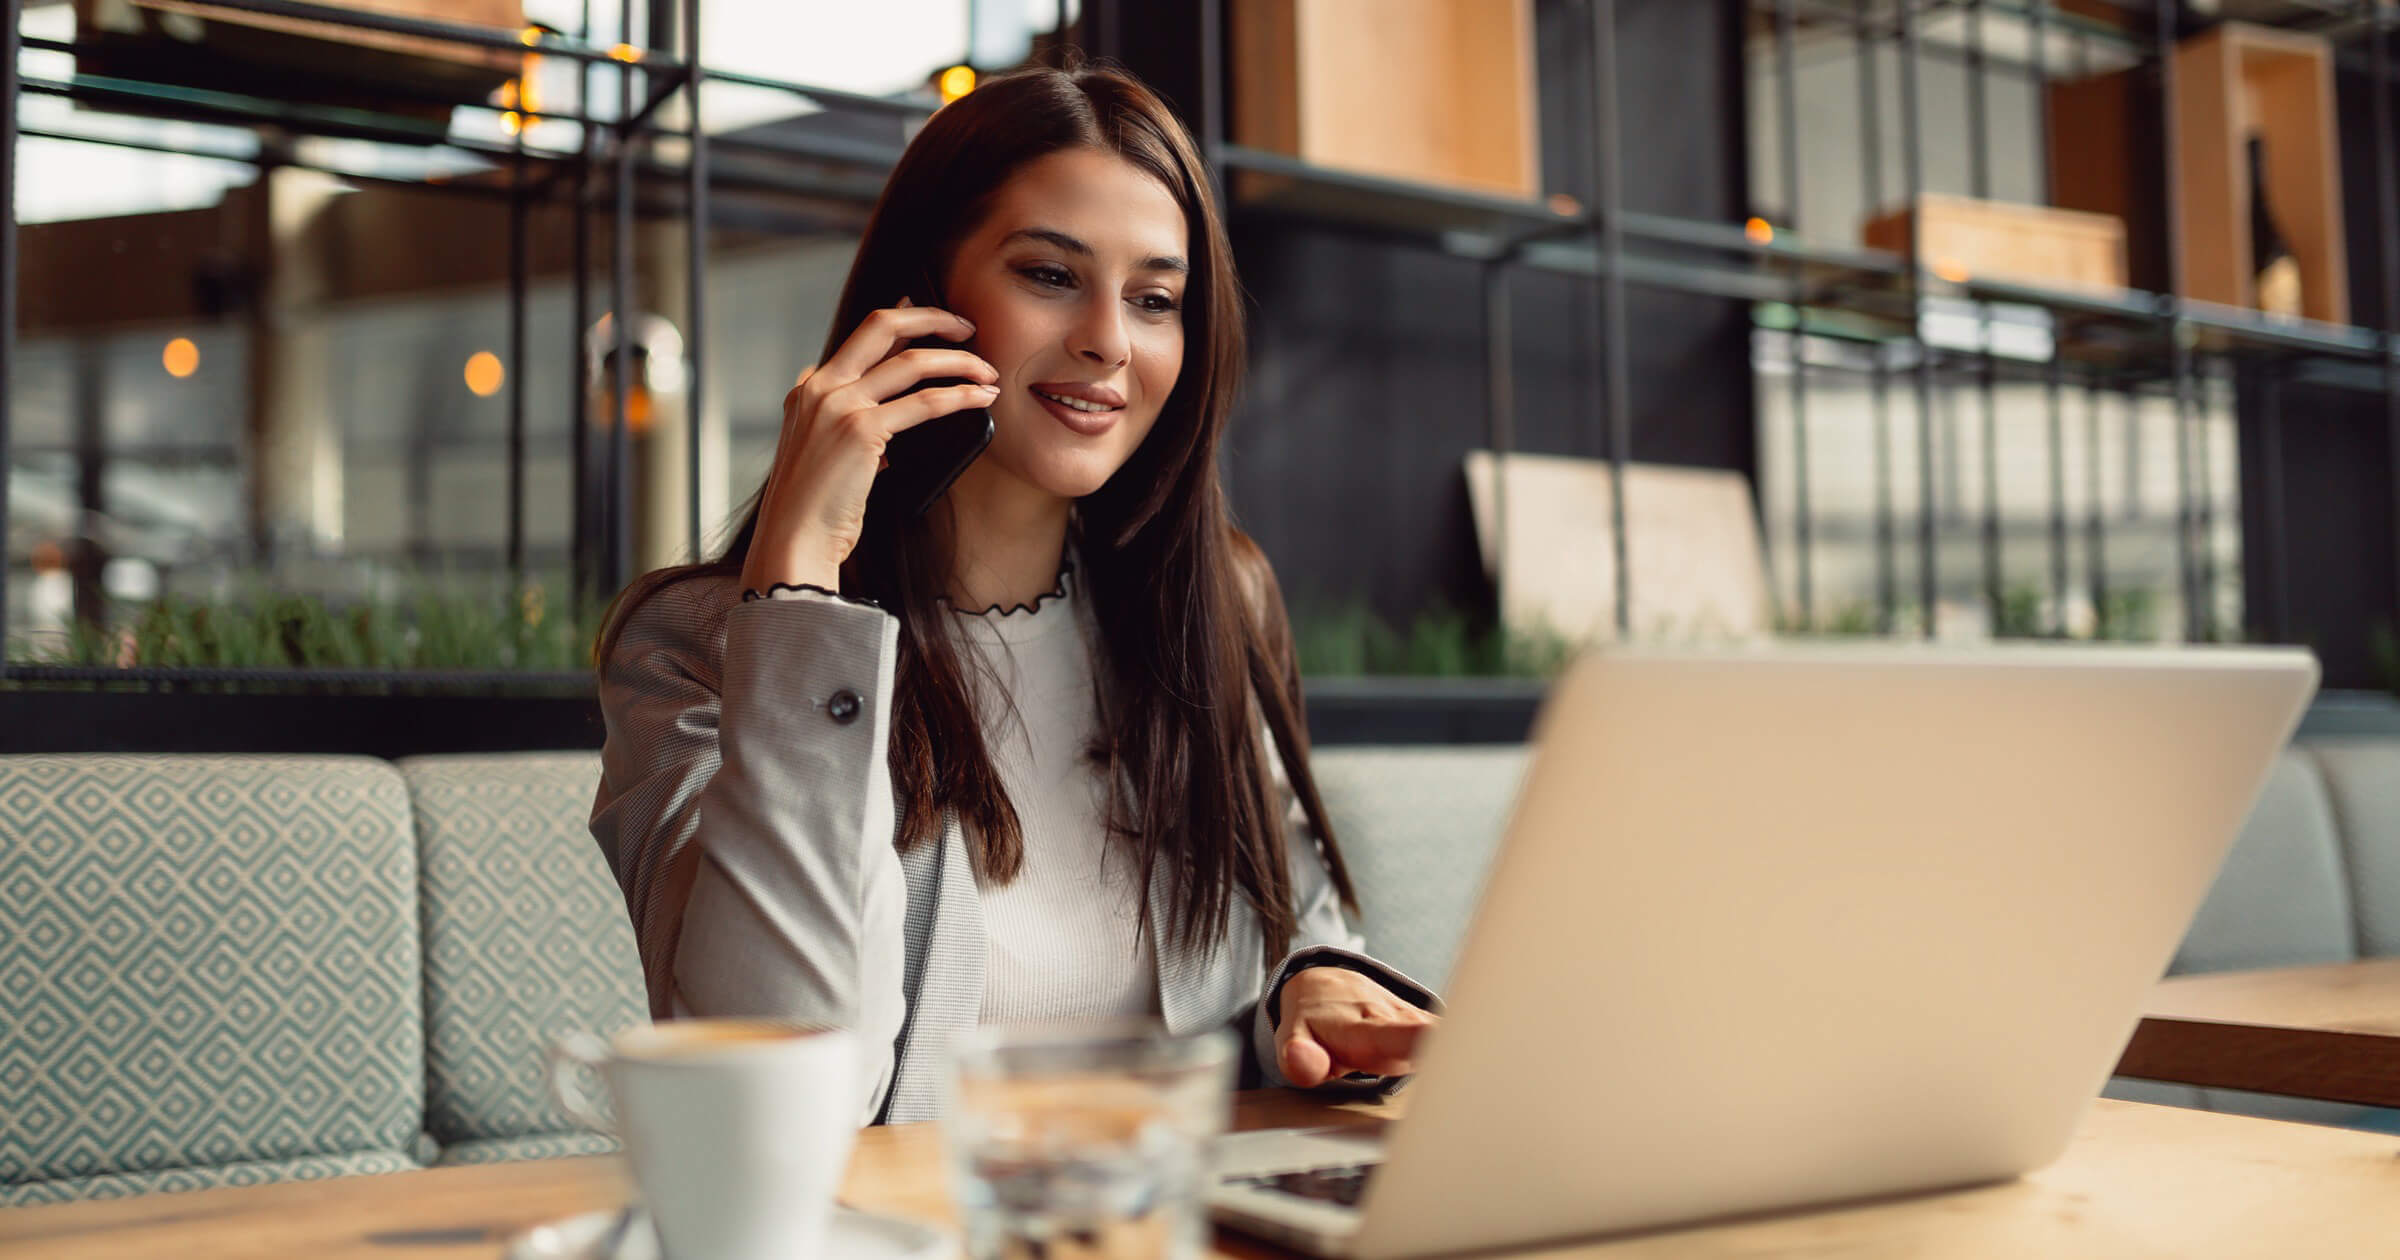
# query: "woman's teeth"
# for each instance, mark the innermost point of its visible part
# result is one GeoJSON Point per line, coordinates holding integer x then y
{"type": "Point", "coordinates": [1076, 403]}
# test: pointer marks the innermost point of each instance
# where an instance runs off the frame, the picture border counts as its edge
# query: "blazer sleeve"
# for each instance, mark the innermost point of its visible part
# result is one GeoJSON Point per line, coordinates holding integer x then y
{"type": "Point", "coordinates": [745, 806]}
{"type": "Point", "coordinates": [1323, 937]}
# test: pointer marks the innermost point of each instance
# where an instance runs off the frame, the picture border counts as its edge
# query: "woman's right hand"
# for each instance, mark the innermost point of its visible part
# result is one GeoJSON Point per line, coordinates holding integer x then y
{"type": "Point", "coordinates": [836, 422]}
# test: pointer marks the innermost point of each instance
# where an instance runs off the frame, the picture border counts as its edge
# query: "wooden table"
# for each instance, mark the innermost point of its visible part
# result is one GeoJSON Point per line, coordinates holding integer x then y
{"type": "Point", "coordinates": [2139, 1182]}
{"type": "Point", "coordinates": [2330, 1032]}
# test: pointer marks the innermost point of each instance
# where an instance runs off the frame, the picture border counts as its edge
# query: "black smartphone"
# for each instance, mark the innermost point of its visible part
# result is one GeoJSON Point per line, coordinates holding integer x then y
{"type": "Point", "coordinates": [925, 459]}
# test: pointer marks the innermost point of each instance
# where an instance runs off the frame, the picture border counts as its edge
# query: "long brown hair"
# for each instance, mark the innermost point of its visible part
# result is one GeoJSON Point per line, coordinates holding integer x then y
{"type": "Point", "coordinates": [1196, 649]}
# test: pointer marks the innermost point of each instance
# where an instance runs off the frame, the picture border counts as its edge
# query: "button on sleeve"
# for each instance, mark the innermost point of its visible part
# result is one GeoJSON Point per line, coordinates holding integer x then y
{"type": "Point", "coordinates": [843, 707]}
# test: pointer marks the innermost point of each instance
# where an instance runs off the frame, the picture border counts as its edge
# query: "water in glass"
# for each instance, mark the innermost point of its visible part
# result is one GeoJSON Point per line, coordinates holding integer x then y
{"type": "Point", "coordinates": [1085, 1144]}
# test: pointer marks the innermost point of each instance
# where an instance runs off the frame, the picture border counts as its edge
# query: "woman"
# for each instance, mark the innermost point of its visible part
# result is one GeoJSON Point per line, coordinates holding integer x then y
{"type": "Point", "coordinates": [833, 793]}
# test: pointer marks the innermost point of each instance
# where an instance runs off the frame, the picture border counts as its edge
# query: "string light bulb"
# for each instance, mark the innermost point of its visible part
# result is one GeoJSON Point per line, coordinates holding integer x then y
{"type": "Point", "coordinates": [521, 97]}
{"type": "Point", "coordinates": [182, 358]}
{"type": "Point", "coordinates": [956, 82]}
{"type": "Point", "coordinates": [484, 373]}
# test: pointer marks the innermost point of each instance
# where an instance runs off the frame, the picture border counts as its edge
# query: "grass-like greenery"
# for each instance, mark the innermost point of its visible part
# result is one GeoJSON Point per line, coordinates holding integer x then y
{"type": "Point", "coordinates": [440, 624]}
{"type": "Point", "coordinates": [2127, 616]}
{"type": "Point", "coordinates": [430, 627]}
{"type": "Point", "coordinates": [1351, 639]}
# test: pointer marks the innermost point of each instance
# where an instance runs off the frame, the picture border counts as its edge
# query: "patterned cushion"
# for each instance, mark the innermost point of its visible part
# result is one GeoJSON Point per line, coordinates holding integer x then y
{"type": "Point", "coordinates": [525, 935]}
{"type": "Point", "coordinates": [126, 1185]}
{"type": "Point", "coordinates": [204, 960]}
{"type": "Point", "coordinates": [547, 1146]}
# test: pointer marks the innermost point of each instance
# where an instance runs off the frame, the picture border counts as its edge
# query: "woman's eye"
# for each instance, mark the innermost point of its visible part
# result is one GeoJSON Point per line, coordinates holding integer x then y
{"type": "Point", "coordinates": [1159, 304]}
{"type": "Point", "coordinates": [1052, 277]}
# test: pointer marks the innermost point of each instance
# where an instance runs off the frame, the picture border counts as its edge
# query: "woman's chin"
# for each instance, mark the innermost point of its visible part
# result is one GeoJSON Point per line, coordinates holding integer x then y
{"type": "Point", "coordinates": [1072, 475]}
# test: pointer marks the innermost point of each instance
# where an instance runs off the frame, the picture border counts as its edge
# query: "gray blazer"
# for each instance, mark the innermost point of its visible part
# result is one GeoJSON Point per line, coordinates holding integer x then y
{"type": "Point", "coordinates": [745, 806]}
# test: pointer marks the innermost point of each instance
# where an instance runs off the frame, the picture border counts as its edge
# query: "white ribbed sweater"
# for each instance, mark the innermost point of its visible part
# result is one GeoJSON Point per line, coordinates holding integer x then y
{"type": "Point", "coordinates": [1064, 939]}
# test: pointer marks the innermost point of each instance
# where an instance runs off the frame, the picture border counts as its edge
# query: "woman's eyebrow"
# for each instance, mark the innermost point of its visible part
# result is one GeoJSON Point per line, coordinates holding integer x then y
{"type": "Point", "coordinates": [1051, 236]}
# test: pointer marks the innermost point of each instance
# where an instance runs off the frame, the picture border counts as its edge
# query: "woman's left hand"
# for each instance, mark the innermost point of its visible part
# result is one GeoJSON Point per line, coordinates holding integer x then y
{"type": "Point", "coordinates": [1335, 1021]}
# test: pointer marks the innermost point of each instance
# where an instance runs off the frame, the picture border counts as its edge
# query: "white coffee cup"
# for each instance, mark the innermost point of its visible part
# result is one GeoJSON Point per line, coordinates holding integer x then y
{"type": "Point", "coordinates": [738, 1130]}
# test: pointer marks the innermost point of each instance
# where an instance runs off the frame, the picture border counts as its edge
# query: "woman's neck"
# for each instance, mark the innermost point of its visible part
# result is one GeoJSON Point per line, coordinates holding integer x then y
{"type": "Point", "coordinates": [1007, 540]}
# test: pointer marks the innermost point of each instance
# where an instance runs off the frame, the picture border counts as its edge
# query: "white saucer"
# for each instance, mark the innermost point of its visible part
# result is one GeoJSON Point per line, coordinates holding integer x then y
{"type": "Point", "coordinates": [852, 1235]}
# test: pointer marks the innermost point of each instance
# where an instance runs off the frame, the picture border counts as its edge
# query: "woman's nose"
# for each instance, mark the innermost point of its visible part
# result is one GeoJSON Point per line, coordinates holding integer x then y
{"type": "Point", "coordinates": [1100, 336]}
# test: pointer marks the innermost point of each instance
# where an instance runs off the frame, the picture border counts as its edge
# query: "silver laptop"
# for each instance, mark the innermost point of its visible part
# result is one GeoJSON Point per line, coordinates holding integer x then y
{"type": "Point", "coordinates": [1795, 926]}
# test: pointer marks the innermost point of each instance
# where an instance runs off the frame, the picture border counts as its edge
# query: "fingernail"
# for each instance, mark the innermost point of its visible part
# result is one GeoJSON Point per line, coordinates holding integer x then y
{"type": "Point", "coordinates": [968, 322]}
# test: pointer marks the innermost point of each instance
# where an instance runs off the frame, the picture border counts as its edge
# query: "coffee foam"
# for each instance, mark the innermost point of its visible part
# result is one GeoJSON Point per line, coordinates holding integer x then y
{"type": "Point", "coordinates": [694, 1038]}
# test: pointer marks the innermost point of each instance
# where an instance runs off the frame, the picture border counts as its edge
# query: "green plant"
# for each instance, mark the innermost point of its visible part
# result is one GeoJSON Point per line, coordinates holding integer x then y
{"type": "Point", "coordinates": [2019, 615]}
{"type": "Point", "coordinates": [431, 624]}
{"type": "Point", "coordinates": [1350, 639]}
{"type": "Point", "coordinates": [1853, 618]}
{"type": "Point", "coordinates": [2129, 616]}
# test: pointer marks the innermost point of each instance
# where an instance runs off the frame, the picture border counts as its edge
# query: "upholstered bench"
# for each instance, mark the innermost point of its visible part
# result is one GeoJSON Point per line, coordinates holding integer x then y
{"type": "Point", "coordinates": [226, 970]}
{"type": "Point", "coordinates": [223, 970]}
{"type": "Point", "coordinates": [2315, 878]}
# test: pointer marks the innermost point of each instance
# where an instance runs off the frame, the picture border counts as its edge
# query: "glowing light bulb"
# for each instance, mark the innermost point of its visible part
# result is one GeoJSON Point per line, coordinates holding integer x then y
{"type": "Point", "coordinates": [484, 373]}
{"type": "Point", "coordinates": [182, 358]}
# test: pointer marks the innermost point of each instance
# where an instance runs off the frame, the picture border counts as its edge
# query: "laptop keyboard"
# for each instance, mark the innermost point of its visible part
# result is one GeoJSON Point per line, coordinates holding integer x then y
{"type": "Point", "coordinates": [1343, 1185]}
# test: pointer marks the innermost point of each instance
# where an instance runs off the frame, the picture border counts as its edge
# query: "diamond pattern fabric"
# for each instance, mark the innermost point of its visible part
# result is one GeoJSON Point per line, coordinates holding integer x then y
{"type": "Point", "coordinates": [204, 961]}
{"type": "Point", "coordinates": [544, 1146]}
{"type": "Point", "coordinates": [202, 1177]}
{"type": "Point", "coordinates": [526, 937]}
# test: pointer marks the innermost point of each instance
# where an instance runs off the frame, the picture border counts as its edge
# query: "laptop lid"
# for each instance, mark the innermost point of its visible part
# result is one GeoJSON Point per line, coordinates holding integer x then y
{"type": "Point", "coordinates": [1809, 924]}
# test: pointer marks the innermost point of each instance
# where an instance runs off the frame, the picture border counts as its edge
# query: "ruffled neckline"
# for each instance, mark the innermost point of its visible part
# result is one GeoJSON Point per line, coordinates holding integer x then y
{"type": "Point", "coordinates": [1058, 594]}
{"type": "Point", "coordinates": [1051, 614]}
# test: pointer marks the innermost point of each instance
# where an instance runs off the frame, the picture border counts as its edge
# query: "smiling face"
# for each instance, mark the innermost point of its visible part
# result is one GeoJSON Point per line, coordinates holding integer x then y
{"type": "Point", "coordinates": [1075, 283]}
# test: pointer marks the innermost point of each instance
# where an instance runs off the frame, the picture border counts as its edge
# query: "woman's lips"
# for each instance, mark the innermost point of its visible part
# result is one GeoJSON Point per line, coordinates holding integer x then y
{"type": "Point", "coordinates": [1087, 423]}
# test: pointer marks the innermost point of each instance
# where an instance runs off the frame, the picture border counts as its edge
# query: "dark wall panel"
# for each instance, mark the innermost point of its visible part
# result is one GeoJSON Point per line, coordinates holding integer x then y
{"type": "Point", "coordinates": [2335, 564]}
{"type": "Point", "coordinates": [1367, 380]}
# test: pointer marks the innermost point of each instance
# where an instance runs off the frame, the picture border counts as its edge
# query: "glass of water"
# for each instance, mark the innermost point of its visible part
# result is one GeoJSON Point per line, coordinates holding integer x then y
{"type": "Point", "coordinates": [1087, 1140]}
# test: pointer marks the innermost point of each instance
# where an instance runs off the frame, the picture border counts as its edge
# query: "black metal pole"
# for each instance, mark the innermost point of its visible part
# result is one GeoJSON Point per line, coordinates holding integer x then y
{"type": "Point", "coordinates": [695, 333]}
{"type": "Point", "coordinates": [519, 267]}
{"type": "Point", "coordinates": [582, 541]}
{"type": "Point", "coordinates": [1500, 414]}
{"type": "Point", "coordinates": [1987, 376]}
{"type": "Point", "coordinates": [87, 560]}
{"type": "Point", "coordinates": [2131, 474]}
{"type": "Point", "coordinates": [2041, 103]}
{"type": "Point", "coordinates": [620, 323]}
{"type": "Point", "coordinates": [2387, 210]}
{"type": "Point", "coordinates": [1212, 86]}
{"type": "Point", "coordinates": [1979, 135]}
{"type": "Point", "coordinates": [1787, 129]}
{"type": "Point", "coordinates": [2054, 380]}
{"type": "Point", "coordinates": [2195, 625]}
{"type": "Point", "coordinates": [2272, 552]}
{"type": "Point", "coordinates": [2054, 385]}
{"type": "Point", "coordinates": [8, 286]}
{"type": "Point", "coordinates": [1913, 162]}
{"type": "Point", "coordinates": [1870, 112]}
{"type": "Point", "coordinates": [2095, 534]}
{"type": "Point", "coordinates": [1612, 292]}
{"type": "Point", "coordinates": [2204, 534]}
